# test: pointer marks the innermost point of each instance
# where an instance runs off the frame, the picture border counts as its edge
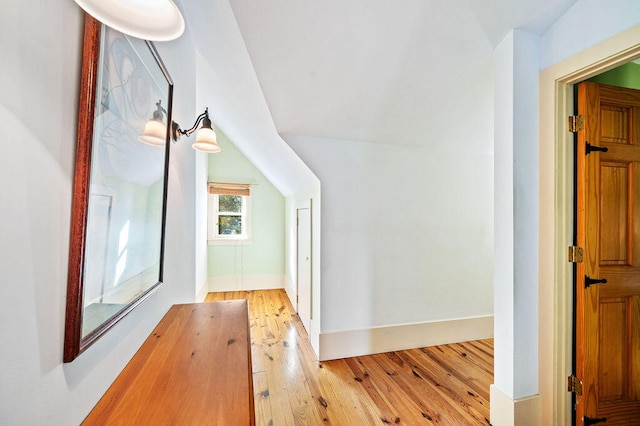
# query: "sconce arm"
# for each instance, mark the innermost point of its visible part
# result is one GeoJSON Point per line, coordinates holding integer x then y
{"type": "Point", "coordinates": [177, 131]}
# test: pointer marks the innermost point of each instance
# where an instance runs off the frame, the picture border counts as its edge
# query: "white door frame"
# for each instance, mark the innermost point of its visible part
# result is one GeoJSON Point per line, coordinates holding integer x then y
{"type": "Point", "coordinates": [310, 290]}
{"type": "Point", "coordinates": [556, 214]}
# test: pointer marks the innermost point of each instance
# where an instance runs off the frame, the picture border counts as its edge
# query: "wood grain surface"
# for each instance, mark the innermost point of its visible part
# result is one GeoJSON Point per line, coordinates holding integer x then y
{"type": "Point", "coordinates": [444, 385]}
{"type": "Point", "coordinates": [194, 369]}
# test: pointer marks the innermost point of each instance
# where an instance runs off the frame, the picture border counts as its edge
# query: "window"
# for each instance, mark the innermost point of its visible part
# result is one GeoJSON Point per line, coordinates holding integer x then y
{"type": "Point", "coordinates": [229, 218]}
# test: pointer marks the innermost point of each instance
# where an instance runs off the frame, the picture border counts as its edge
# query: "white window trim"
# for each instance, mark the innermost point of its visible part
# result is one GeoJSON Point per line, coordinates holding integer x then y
{"type": "Point", "coordinates": [213, 237]}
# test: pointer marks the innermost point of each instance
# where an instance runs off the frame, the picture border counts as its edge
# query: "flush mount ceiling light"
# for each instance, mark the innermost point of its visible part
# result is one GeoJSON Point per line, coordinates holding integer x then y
{"type": "Point", "coordinates": [155, 20]}
{"type": "Point", "coordinates": [155, 131]}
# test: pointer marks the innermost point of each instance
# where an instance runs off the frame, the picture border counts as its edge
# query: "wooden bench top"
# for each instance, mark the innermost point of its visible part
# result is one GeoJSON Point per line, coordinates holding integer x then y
{"type": "Point", "coordinates": [194, 369]}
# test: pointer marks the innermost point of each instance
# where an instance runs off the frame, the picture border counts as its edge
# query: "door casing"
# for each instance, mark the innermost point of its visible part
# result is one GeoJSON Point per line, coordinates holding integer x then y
{"type": "Point", "coordinates": [556, 214]}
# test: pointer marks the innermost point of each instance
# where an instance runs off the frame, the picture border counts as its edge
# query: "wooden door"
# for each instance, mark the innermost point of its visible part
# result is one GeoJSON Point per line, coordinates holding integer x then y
{"type": "Point", "coordinates": [304, 268]}
{"type": "Point", "coordinates": [608, 228]}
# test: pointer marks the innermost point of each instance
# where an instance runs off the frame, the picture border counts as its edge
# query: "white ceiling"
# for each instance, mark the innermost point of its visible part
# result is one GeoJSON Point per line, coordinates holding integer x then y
{"type": "Point", "coordinates": [371, 71]}
{"type": "Point", "coordinates": [375, 71]}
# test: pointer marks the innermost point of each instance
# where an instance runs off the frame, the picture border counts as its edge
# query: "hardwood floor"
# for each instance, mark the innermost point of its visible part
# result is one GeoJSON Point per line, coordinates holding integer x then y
{"type": "Point", "coordinates": [445, 385]}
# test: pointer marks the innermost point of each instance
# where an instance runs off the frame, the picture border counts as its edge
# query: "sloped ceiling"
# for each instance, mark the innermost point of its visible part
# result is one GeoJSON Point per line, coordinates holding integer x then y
{"type": "Point", "coordinates": [372, 71]}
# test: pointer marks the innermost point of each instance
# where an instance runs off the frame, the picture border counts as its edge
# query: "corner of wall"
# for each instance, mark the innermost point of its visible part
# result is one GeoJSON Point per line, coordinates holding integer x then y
{"type": "Point", "coordinates": [508, 412]}
{"type": "Point", "coordinates": [202, 293]}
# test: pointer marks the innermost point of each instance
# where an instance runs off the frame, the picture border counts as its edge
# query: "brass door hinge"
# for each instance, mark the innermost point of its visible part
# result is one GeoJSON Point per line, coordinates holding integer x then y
{"type": "Point", "coordinates": [576, 123]}
{"type": "Point", "coordinates": [574, 385]}
{"type": "Point", "coordinates": [575, 254]}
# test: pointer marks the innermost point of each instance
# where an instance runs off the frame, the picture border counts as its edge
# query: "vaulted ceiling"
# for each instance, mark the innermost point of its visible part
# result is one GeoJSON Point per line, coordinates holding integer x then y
{"type": "Point", "coordinates": [373, 71]}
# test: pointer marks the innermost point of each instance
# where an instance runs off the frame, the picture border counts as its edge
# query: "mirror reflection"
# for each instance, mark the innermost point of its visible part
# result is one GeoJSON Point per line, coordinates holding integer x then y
{"type": "Point", "coordinates": [124, 225]}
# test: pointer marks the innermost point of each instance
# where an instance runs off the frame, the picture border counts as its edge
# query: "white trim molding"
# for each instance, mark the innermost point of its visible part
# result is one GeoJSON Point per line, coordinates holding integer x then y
{"type": "Point", "coordinates": [349, 343]}
{"type": "Point", "coordinates": [202, 293]}
{"type": "Point", "coordinates": [245, 283]}
{"type": "Point", "coordinates": [509, 412]}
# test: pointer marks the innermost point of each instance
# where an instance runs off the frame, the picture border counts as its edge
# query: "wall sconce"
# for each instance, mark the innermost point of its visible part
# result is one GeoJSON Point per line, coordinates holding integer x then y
{"type": "Point", "coordinates": [158, 20]}
{"type": "Point", "coordinates": [155, 131]}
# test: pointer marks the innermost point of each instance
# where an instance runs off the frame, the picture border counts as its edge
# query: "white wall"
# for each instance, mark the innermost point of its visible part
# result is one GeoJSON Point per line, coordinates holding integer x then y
{"type": "Point", "coordinates": [202, 287]}
{"type": "Point", "coordinates": [201, 192]}
{"type": "Point", "coordinates": [407, 232]}
{"type": "Point", "coordinates": [516, 214]}
{"type": "Point", "coordinates": [503, 211]}
{"type": "Point", "coordinates": [516, 223]}
{"type": "Point", "coordinates": [585, 24]}
{"type": "Point", "coordinates": [228, 85]}
{"type": "Point", "coordinates": [41, 49]}
{"type": "Point", "coordinates": [256, 264]}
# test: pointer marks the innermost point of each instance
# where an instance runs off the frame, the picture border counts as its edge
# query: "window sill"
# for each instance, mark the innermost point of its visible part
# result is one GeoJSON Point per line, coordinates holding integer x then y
{"type": "Point", "coordinates": [230, 242]}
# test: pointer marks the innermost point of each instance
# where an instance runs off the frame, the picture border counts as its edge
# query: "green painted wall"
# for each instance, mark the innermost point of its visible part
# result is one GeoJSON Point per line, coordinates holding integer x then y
{"type": "Point", "coordinates": [265, 254]}
{"type": "Point", "coordinates": [627, 75]}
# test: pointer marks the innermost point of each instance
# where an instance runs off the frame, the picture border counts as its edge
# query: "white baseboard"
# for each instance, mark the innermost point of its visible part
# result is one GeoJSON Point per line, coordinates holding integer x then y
{"type": "Point", "coordinates": [349, 343]}
{"type": "Point", "coordinates": [202, 294]}
{"type": "Point", "coordinates": [250, 282]}
{"type": "Point", "coordinates": [509, 412]}
{"type": "Point", "coordinates": [291, 291]}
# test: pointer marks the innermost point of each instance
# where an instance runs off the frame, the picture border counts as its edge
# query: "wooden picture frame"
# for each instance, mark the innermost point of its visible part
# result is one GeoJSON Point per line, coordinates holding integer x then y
{"type": "Point", "coordinates": [116, 251]}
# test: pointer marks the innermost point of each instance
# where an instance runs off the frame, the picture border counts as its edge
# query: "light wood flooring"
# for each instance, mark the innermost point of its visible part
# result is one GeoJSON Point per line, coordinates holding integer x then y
{"type": "Point", "coordinates": [444, 385]}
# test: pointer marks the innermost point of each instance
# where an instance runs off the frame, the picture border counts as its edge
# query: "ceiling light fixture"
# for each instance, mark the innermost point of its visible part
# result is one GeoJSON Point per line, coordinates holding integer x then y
{"type": "Point", "coordinates": [156, 20]}
{"type": "Point", "coordinates": [155, 131]}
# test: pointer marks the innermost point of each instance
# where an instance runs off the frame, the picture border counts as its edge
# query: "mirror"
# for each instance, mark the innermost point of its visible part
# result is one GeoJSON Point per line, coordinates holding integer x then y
{"type": "Point", "coordinates": [120, 185]}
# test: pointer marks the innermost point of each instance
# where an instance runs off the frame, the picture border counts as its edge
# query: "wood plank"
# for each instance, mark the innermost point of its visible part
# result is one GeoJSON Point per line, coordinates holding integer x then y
{"type": "Point", "coordinates": [195, 368]}
{"type": "Point", "coordinates": [261, 398]}
{"type": "Point", "coordinates": [449, 385]}
{"type": "Point", "coordinates": [453, 387]}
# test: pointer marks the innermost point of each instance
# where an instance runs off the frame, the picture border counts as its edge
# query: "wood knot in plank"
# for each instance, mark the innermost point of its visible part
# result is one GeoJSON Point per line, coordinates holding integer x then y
{"type": "Point", "coordinates": [231, 341]}
{"type": "Point", "coordinates": [323, 402]}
